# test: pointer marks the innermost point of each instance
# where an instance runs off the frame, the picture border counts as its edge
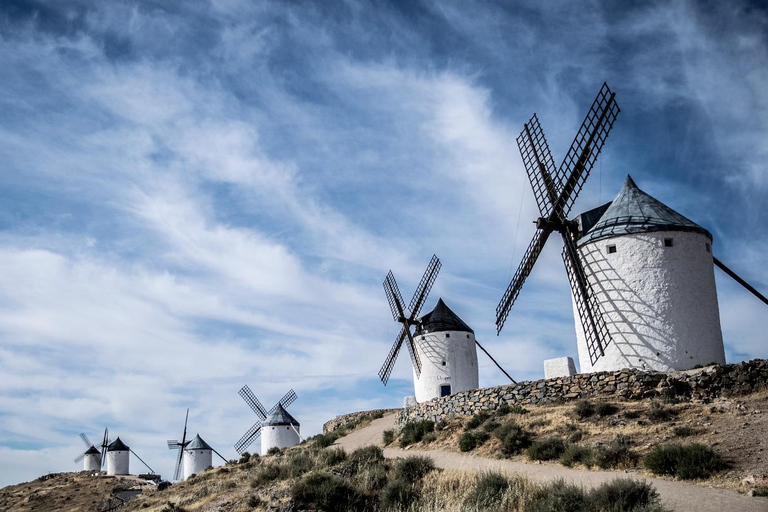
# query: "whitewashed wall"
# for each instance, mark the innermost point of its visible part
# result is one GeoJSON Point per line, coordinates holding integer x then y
{"type": "Point", "coordinates": [457, 351]}
{"type": "Point", "coordinates": [117, 462]}
{"type": "Point", "coordinates": [92, 462]}
{"type": "Point", "coordinates": [196, 461]}
{"type": "Point", "coordinates": [281, 436]}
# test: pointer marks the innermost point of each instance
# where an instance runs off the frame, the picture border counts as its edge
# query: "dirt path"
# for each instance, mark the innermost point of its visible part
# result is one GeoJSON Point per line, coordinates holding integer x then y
{"type": "Point", "coordinates": [679, 496]}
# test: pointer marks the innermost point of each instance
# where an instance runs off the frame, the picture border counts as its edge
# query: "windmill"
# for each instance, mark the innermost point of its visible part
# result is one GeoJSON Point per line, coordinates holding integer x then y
{"type": "Point", "coordinates": [276, 427]}
{"type": "Point", "coordinates": [118, 458]}
{"type": "Point", "coordinates": [442, 345]}
{"type": "Point", "coordinates": [555, 190]}
{"type": "Point", "coordinates": [196, 455]}
{"type": "Point", "coordinates": [93, 457]}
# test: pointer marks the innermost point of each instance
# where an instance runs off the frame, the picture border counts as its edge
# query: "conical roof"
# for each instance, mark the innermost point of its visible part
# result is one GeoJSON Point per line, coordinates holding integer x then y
{"type": "Point", "coordinates": [442, 319]}
{"type": "Point", "coordinates": [280, 417]}
{"type": "Point", "coordinates": [117, 446]}
{"type": "Point", "coordinates": [633, 211]}
{"type": "Point", "coordinates": [92, 451]}
{"type": "Point", "coordinates": [197, 444]}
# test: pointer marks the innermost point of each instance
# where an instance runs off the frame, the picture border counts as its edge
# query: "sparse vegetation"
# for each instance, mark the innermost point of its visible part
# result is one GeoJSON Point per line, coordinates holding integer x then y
{"type": "Point", "coordinates": [488, 492]}
{"type": "Point", "coordinates": [684, 461]}
{"type": "Point", "coordinates": [414, 431]}
{"type": "Point", "coordinates": [583, 409]}
{"type": "Point", "coordinates": [326, 492]}
{"type": "Point", "coordinates": [546, 449]}
{"type": "Point", "coordinates": [659, 412]}
{"type": "Point", "coordinates": [412, 469]}
{"type": "Point", "coordinates": [761, 491]}
{"type": "Point", "coordinates": [325, 440]}
{"type": "Point", "coordinates": [477, 420]}
{"type": "Point", "coordinates": [684, 431]}
{"type": "Point", "coordinates": [332, 456]}
{"type": "Point", "coordinates": [618, 454]}
{"type": "Point", "coordinates": [388, 437]}
{"type": "Point", "coordinates": [273, 451]}
{"type": "Point", "coordinates": [513, 438]}
{"type": "Point", "coordinates": [604, 409]}
{"type": "Point", "coordinates": [624, 494]}
{"type": "Point", "coordinates": [578, 454]}
{"type": "Point", "coordinates": [471, 440]}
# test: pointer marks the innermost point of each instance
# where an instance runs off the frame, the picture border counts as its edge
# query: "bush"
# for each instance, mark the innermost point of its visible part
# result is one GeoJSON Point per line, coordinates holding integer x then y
{"type": "Point", "coordinates": [268, 473]}
{"type": "Point", "coordinates": [503, 410]}
{"type": "Point", "coordinates": [273, 451]}
{"type": "Point", "coordinates": [604, 409]}
{"type": "Point", "coordinates": [414, 431]}
{"type": "Point", "coordinates": [578, 454]}
{"type": "Point", "coordinates": [684, 461]}
{"type": "Point", "coordinates": [245, 457]}
{"type": "Point", "coordinates": [364, 457]}
{"type": "Point", "coordinates": [413, 469]}
{"type": "Point", "coordinates": [559, 496]}
{"type": "Point", "coordinates": [488, 492]}
{"type": "Point", "coordinates": [325, 440]}
{"type": "Point", "coordinates": [583, 409]}
{"type": "Point", "coordinates": [441, 425]}
{"type": "Point", "coordinates": [513, 438]}
{"type": "Point", "coordinates": [684, 431]}
{"type": "Point", "coordinates": [573, 432]}
{"type": "Point", "coordinates": [761, 490]}
{"type": "Point", "coordinates": [253, 501]}
{"type": "Point", "coordinates": [477, 420]}
{"type": "Point", "coordinates": [546, 449]}
{"type": "Point", "coordinates": [631, 415]}
{"type": "Point", "coordinates": [625, 494]}
{"type": "Point", "coordinates": [429, 437]}
{"type": "Point", "coordinates": [299, 463]}
{"type": "Point", "coordinates": [397, 495]}
{"type": "Point", "coordinates": [388, 437]}
{"type": "Point", "coordinates": [172, 507]}
{"type": "Point", "coordinates": [658, 412]}
{"type": "Point", "coordinates": [326, 492]}
{"type": "Point", "coordinates": [373, 477]}
{"type": "Point", "coordinates": [332, 456]}
{"type": "Point", "coordinates": [617, 455]}
{"type": "Point", "coordinates": [467, 442]}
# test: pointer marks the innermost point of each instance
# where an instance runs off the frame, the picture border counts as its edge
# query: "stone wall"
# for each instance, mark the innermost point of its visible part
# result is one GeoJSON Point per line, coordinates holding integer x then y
{"type": "Point", "coordinates": [349, 419]}
{"type": "Point", "coordinates": [701, 384]}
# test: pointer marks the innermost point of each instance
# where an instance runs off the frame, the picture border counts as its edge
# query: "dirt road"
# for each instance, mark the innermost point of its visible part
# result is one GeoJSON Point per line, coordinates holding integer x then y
{"type": "Point", "coordinates": [679, 496]}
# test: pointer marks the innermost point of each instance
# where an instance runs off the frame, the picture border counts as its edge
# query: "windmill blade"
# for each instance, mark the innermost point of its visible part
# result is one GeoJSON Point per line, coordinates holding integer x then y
{"type": "Point", "coordinates": [389, 362]}
{"type": "Point", "coordinates": [395, 299]}
{"type": "Point", "coordinates": [220, 455]}
{"type": "Point", "coordinates": [177, 468]}
{"type": "Point", "coordinates": [248, 438]}
{"type": "Point", "coordinates": [184, 435]}
{"type": "Point", "coordinates": [523, 271]}
{"type": "Point", "coordinates": [287, 400]}
{"type": "Point", "coordinates": [539, 165]}
{"type": "Point", "coordinates": [739, 280]}
{"type": "Point", "coordinates": [424, 287]}
{"type": "Point", "coordinates": [104, 444]}
{"type": "Point", "coordinates": [585, 149]}
{"type": "Point", "coordinates": [80, 457]}
{"type": "Point", "coordinates": [590, 314]}
{"type": "Point", "coordinates": [173, 444]}
{"type": "Point", "coordinates": [87, 442]}
{"type": "Point", "coordinates": [253, 402]}
{"type": "Point", "coordinates": [151, 471]}
{"type": "Point", "coordinates": [413, 353]}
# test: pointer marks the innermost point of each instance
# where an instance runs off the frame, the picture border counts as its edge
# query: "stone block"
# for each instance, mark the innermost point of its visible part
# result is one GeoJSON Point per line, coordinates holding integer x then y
{"type": "Point", "coordinates": [559, 367]}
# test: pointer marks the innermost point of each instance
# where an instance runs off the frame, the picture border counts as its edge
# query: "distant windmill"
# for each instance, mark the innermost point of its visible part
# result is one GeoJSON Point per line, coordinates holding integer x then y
{"type": "Point", "coordinates": [276, 427]}
{"type": "Point", "coordinates": [195, 455]}
{"type": "Point", "coordinates": [555, 190]}
{"type": "Point", "coordinates": [118, 458]}
{"type": "Point", "coordinates": [93, 458]}
{"type": "Point", "coordinates": [442, 347]}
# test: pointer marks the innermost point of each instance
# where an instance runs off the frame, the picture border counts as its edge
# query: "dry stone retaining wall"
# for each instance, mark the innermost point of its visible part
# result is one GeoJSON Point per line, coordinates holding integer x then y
{"type": "Point", "coordinates": [352, 418]}
{"type": "Point", "coordinates": [701, 384]}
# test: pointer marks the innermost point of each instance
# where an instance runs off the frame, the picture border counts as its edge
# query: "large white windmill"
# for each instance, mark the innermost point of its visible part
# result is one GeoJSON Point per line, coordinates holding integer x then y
{"type": "Point", "coordinates": [118, 458]}
{"type": "Point", "coordinates": [276, 427]}
{"type": "Point", "coordinates": [195, 456]}
{"type": "Point", "coordinates": [442, 347]}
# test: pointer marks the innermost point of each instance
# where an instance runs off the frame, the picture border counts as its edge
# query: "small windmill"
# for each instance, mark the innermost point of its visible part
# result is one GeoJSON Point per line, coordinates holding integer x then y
{"type": "Point", "coordinates": [195, 454]}
{"type": "Point", "coordinates": [447, 343]}
{"type": "Point", "coordinates": [276, 427]}
{"type": "Point", "coordinates": [93, 457]}
{"type": "Point", "coordinates": [555, 190]}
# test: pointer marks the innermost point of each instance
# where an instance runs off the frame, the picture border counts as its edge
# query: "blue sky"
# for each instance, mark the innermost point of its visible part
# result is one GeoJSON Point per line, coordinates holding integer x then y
{"type": "Point", "coordinates": [196, 196]}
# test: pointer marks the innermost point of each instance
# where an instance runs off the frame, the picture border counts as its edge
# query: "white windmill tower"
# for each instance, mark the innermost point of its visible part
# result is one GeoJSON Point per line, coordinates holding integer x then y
{"type": "Point", "coordinates": [118, 458]}
{"type": "Point", "coordinates": [442, 348]}
{"type": "Point", "coordinates": [276, 427]}
{"type": "Point", "coordinates": [194, 456]}
{"type": "Point", "coordinates": [92, 457]}
{"type": "Point", "coordinates": [641, 274]}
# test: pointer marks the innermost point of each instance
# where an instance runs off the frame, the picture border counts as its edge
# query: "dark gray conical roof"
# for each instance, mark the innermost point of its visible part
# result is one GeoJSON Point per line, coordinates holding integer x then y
{"type": "Point", "coordinates": [442, 319]}
{"type": "Point", "coordinates": [280, 417]}
{"type": "Point", "coordinates": [197, 444]}
{"type": "Point", "coordinates": [92, 451]}
{"type": "Point", "coordinates": [633, 211]}
{"type": "Point", "coordinates": [117, 446]}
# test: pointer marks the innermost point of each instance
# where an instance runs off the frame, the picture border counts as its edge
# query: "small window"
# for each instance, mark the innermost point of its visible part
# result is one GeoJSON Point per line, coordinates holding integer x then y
{"type": "Point", "coordinates": [708, 247]}
{"type": "Point", "coordinates": [668, 242]}
{"type": "Point", "coordinates": [443, 363]}
{"type": "Point", "coordinates": [445, 390]}
{"type": "Point", "coordinates": [611, 249]}
{"type": "Point", "coordinates": [447, 335]}
{"type": "Point", "coordinates": [467, 336]}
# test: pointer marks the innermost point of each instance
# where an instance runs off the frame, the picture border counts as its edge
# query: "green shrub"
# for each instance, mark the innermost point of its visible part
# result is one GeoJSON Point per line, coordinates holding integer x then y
{"type": "Point", "coordinates": [273, 451]}
{"type": "Point", "coordinates": [503, 410]}
{"type": "Point", "coordinates": [429, 437]}
{"type": "Point", "coordinates": [441, 425]}
{"type": "Point", "coordinates": [172, 507]}
{"type": "Point", "coordinates": [467, 442]}
{"type": "Point", "coordinates": [245, 457]}
{"type": "Point", "coordinates": [413, 469]}
{"type": "Point", "coordinates": [326, 492]}
{"type": "Point", "coordinates": [299, 463]}
{"type": "Point", "coordinates": [373, 477]}
{"type": "Point", "coordinates": [477, 420]}
{"type": "Point", "coordinates": [583, 409]}
{"type": "Point", "coordinates": [631, 415]}
{"type": "Point", "coordinates": [388, 437]}
{"type": "Point", "coordinates": [513, 438]}
{"type": "Point", "coordinates": [490, 425]}
{"type": "Point", "coordinates": [547, 449]}
{"type": "Point", "coordinates": [376, 415]}
{"type": "Point", "coordinates": [414, 431]}
{"type": "Point", "coordinates": [625, 494]}
{"type": "Point", "coordinates": [332, 456]}
{"type": "Point", "coordinates": [604, 409]}
{"type": "Point", "coordinates": [658, 412]}
{"type": "Point", "coordinates": [618, 454]}
{"type": "Point", "coordinates": [488, 492]}
{"type": "Point", "coordinates": [684, 431]}
{"type": "Point", "coordinates": [761, 490]}
{"type": "Point", "coordinates": [559, 496]}
{"type": "Point", "coordinates": [684, 461]}
{"type": "Point", "coordinates": [268, 473]}
{"type": "Point", "coordinates": [364, 457]}
{"type": "Point", "coordinates": [253, 501]}
{"type": "Point", "coordinates": [578, 454]}
{"type": "Point", "coordinates": [398, 495]}
{"type": "Point", "coordinates": [325, 440]}
{"type": "Point", "coordinates": [519, 409]}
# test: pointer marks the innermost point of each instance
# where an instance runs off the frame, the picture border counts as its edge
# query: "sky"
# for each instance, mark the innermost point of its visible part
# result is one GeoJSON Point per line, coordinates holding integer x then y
{"type": "Point", "coordinates": [195, 196]}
